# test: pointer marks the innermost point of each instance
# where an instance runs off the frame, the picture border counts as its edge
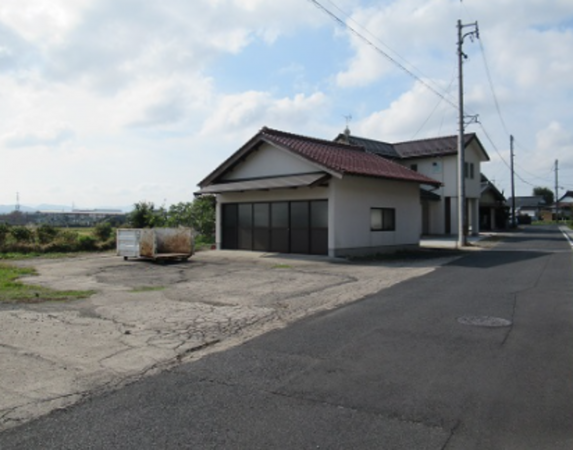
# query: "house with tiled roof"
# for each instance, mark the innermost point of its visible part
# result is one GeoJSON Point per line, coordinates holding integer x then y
{"type": "Point", "coordinates": [565, 203]}
{"type": "Point", "coordinates": [436, 158]}
{"type": "Point", "coordinates": [287, 193]}
{"type": "Point", "coordinates": [529, 208]}
{"type": "Point", "coordinates": [493, 207]}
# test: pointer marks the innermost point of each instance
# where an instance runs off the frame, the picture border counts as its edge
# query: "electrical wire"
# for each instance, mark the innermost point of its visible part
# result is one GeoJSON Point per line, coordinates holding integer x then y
{"type": "Point", "coordinates": [434, 109]}
{"type": "Point", "coordinates": [444, 96]}
{"type": "Point", "coordinates": [488, 73]}
{"type": "Point", "coordinates": [502, 158]}
{"type": "Point", "coordinates": [369, 42]}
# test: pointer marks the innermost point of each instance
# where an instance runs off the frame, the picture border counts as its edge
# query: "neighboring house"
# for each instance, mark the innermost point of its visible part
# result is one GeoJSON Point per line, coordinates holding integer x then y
{"type": "Point", "coordinates": [565, 203]}
{"type": "Point", "coordinates": [287, 193]}
{"type": "Point", "coordinates": [493, 208]}
{"type": "Point", "coordinates": [530, 206]}
{"type": "Point", "coordinates": [437, 158]}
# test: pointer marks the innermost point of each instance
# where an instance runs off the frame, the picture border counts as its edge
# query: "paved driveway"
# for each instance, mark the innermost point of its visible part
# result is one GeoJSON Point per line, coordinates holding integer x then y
{"type": "Point", "coordinates": [146, 317]}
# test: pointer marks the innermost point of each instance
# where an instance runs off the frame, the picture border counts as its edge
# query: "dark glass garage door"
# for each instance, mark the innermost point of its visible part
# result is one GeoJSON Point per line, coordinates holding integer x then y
{"type": "Point", "coordinates": [285, 227]}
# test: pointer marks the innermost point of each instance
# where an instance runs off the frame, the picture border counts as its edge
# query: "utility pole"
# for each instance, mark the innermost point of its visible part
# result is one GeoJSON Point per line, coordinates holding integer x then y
{"type": "Point", "coordinates": [462, 228]}
{"type": "Point", "coordinates": [513, 222]}
{"type": "Point", "coordinates": [556, 190]}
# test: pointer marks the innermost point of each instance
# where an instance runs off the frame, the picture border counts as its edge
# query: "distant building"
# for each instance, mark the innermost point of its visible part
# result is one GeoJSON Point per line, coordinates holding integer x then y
{"type": "Point", "coordinates": [74, 218]}
{"type": "Point", "coordinates": [529, 206]}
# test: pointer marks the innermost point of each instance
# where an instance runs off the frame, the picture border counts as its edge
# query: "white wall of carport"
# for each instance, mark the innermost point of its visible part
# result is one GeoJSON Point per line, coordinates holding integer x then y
{"type": "Point", "coordinates": [349, 214]}
{"type": "Point", "coordinates": [275, 195]}
{"type": "Point", "coordinates": [269, 161]}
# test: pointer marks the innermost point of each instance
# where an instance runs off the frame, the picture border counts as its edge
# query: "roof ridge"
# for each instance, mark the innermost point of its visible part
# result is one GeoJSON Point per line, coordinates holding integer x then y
{"type": "Point", "coordinates": [369, 139]}
{"type": "Point", "coordinates": [344, 145]}
{"type": "Point", "coordinates": [451, 136]}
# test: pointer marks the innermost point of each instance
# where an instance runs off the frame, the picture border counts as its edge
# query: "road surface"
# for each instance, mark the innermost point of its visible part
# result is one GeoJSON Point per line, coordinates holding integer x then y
{"type": "Point", "coordinates": [476, 355]}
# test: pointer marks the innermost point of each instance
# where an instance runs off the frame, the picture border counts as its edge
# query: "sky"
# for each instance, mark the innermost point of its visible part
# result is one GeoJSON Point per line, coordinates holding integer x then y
{"type": "Point", "coordinates": [105, 103]}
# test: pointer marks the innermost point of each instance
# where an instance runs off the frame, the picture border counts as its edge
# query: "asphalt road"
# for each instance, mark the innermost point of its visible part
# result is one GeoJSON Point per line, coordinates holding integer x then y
{"type": "Point", "coordinates": [412, 367]}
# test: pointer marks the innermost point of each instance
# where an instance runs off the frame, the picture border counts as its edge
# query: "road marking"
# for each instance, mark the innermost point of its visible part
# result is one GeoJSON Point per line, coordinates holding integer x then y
{"type": "Point", "coordinates": [566, 234]}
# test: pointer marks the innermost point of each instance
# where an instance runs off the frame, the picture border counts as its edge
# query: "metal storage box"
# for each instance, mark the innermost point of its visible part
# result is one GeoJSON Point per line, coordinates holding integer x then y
{"type": "Point", "coordinates": [155, 243]}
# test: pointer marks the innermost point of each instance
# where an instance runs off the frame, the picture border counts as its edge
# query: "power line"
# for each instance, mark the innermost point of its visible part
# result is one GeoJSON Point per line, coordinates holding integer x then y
{"type": "Point", "coordinates": [488, 73]}
{"type": "Point", "coordinates": [393, 60]}
{"type": "Point", "coordinates": [434, 109]}
{"type": "Point", "coordinates": [502, 158]}
{"type": "Point", "coordinates": [442, 95]}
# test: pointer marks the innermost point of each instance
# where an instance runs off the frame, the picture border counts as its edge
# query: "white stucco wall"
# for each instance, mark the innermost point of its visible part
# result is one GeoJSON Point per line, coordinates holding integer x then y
{"type": "Point", "coordinates": [352, 199]}
{"type": "Point", "coordinates": [349, 201]}
{"type": "Point", "coordinates": [270, 161]}
{"type": "Point", "coordinates": [445, 169]}
{"type": "Point", "coordinates": [473, 155]}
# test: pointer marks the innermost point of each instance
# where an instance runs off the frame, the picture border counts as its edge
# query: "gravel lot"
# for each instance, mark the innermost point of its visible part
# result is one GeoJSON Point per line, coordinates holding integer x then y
{"type": "Point", "coordinates": [148, 317]}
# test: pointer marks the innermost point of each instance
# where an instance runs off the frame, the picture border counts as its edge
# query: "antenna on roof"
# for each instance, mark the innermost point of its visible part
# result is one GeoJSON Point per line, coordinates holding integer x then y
{"type": "Point", "coordinates": [347, 129]}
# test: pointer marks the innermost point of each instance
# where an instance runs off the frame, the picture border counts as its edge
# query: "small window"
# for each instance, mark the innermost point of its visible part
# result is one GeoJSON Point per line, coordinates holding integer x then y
{"type": "Point", "coordinates": [414, 167]}
{"type": "Point", "coordinates": [382, 219]}
{"type": "Point", "coordinates": [469, 170]}
{"type": "Point", "coordinates": [436, 168]}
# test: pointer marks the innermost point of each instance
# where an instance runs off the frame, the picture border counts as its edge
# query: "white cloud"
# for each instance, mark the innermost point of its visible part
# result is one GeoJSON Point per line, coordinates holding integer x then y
{"type": "Point", "coordinates": [53, 135]}
{"type": "Point", "coordinates": [108, 43]}
{"type": "Point", "coordinates": [405, 31]}
{"type": "Point", "coordinates": [555, 140]}
{"type": "Point", "coordinates": [42, 22]}
{"type": "Point", "coordinates": [417, 113]}
{"type": "Point", "coordinates": [117, 99]}
{"type": "Point", "coordinates": [238, 115]}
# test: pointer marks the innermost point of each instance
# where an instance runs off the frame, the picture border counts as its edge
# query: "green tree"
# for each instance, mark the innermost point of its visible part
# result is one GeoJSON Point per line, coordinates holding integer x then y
{"type": "Point", "coordinates": [102, 231]}
{"type": "Point", "coordinates": [4, 232]}
{"type": "Point", "coordinates": [46, 233]}
{"type": "Point", "coordinates": [180, 214]}
{"type": "Point", "coordinates": [145, 215]}
{"type": "Point", "coordinates": [199, 215]}
{"type": "Point", "coordinates": [203, 215]}
{"type": "Point", "coordinates": [546, 193]}
{"type": "Point", "coordinates": [22, 234]}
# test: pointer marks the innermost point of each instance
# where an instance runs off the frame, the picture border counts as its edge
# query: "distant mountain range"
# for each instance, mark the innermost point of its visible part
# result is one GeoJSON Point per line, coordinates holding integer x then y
{"type": "Point", "coordinates": [5, 209]}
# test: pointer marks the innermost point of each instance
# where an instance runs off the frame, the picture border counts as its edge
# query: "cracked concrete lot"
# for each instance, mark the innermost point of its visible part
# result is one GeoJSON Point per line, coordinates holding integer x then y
{"type": "Point", "coordinates": [146, 317]}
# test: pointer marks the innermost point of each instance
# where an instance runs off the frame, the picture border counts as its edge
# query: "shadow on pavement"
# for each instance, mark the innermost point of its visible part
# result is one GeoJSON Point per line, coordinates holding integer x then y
{"type": "Point", "coordinates": [485, 260]}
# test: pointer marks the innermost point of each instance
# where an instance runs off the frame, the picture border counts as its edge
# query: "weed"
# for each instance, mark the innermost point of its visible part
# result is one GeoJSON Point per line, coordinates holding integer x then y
{"type": "Point", "coordinates": [14, 291]}
{"type": "Point", "coordinates": [148, 288]}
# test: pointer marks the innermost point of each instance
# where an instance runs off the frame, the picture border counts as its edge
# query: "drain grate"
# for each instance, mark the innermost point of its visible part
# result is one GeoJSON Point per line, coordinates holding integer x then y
{"type": "Point", "coordinates": [484, 321]}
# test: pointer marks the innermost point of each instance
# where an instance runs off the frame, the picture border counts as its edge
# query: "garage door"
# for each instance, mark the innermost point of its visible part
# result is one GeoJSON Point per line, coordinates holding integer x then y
{"type": "Point", "coordinates": [284, 227]}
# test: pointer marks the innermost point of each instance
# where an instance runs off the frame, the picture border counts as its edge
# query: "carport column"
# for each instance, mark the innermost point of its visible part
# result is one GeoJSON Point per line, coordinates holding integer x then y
{"type": "Point", "coordinates": [331, 220]}
{"type": "Point", "coordinates": [218, 223]}
{"type": "Point", "coordinates": [474, 216]}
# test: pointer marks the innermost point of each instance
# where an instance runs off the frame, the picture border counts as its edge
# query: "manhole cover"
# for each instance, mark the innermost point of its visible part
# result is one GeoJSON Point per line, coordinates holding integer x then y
{"type": "Point", "coordinates": [484, 321]}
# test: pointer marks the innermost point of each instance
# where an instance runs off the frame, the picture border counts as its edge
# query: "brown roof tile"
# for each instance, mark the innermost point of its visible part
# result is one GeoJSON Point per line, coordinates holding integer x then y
{"type": "Point", "coordinates": [447, 145]}
{"type": "Point", "coordinates": [343, 158]}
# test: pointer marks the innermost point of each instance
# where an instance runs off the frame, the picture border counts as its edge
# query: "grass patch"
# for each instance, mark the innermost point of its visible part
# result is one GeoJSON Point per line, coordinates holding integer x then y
{"type": "Point", "coordinates": [82, 231]}
{"type": "Point", "coordinates": [56, 255]}
{"type": "Point", "coordinates": [148, 288]}
{"type": "Point", "coordinates": [18, 255]}
{"type": "Point", "coordinates": [14, 291]}
{"type": "Point", "coordinates": [282, 266]}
